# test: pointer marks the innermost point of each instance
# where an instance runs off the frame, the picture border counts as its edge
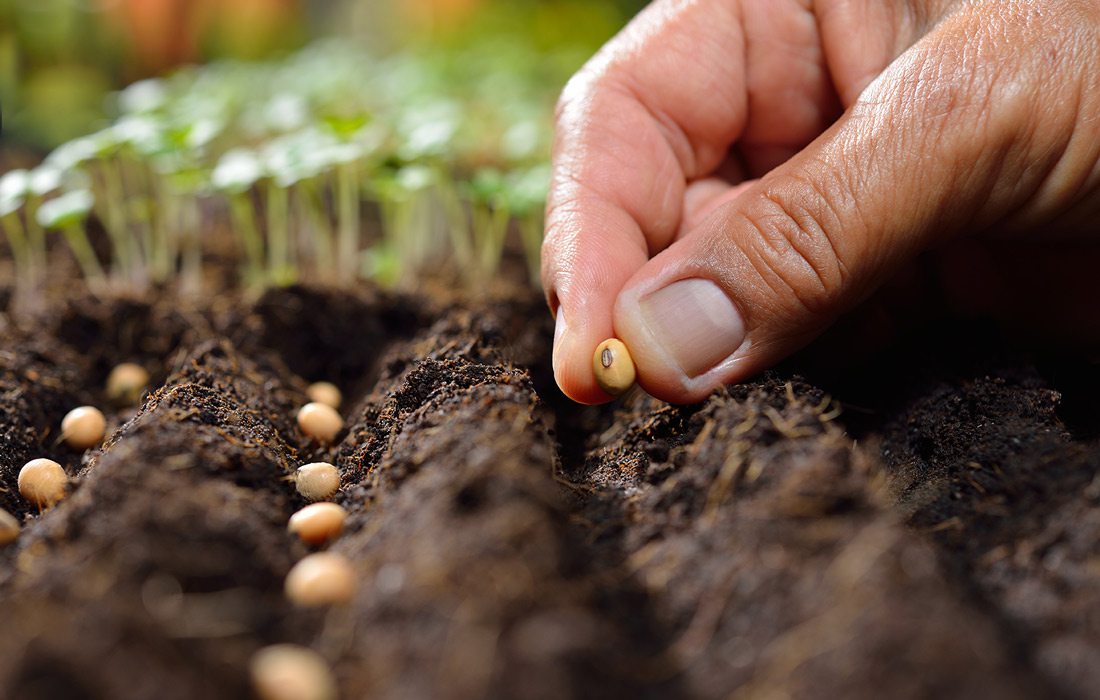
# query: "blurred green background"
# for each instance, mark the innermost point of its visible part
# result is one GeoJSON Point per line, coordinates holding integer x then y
{"type": "Point", "coordinates": [60, 59]}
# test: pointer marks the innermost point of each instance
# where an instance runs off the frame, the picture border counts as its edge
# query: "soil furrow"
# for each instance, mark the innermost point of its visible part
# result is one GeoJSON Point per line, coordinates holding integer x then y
{"type": "Point", "coordinates": [170, 555]}
{"type": "Point", "coordinates": [39, 384]}
{"type": "Point", "coordinates": [768, 546]}
{"type": "Point", "coordinates": [474, 584]}
{"type": "Point", "coordinates": [508, 543]}
{"type": "Point", "coordinates": [987, 468]}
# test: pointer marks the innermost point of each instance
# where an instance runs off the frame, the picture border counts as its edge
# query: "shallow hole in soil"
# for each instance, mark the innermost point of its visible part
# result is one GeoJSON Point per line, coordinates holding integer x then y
{"type": "Point", "coordinates": [471, 497]}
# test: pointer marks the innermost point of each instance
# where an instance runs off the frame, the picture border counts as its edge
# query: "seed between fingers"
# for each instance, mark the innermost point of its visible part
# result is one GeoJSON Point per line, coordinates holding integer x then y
{"type": "Point", "coordinates": [613, 367]}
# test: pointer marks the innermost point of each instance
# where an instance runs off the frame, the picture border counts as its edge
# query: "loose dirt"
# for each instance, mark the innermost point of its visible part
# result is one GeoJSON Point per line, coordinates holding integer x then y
{"type": "Point", "coordinates": [927, 524]}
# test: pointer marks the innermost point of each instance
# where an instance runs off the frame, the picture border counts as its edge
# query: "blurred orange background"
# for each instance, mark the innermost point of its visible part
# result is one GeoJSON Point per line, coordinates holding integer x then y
{"type": "Point", "coordinates": [59, 59]}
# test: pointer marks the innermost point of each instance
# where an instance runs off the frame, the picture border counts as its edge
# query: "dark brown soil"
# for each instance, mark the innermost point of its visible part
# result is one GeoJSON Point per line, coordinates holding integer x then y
{"type": "Point", "coordinates": [926, 525]}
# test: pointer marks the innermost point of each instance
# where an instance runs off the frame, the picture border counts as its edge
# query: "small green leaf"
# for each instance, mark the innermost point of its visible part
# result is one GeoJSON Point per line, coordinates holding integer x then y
{"type": "Point", "coordinates": [65, 210]}
{"type": "Point", "coordinates": [14, 186]}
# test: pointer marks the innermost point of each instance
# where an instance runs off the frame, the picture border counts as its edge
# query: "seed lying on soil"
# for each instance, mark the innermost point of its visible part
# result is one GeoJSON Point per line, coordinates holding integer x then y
{"type": "Point", "coordinates": [291, 672]}
{"type": "Point", "coordinates": [42, 482]}
{"type": "Point", "coordinates": [126, 383]}
{"type": "Point", "coordinates": [613, 367]}
{"type": "Point", "coordinates": [320, 422]}
{"type": "Point", "coordinates": [83, 427]}
{"type": "Point", "coordinates": [318, 523]}
{"type": "Point", "coordinates": [326, 393]}
{"type": "Point", "coordinates": [317, 481]}
{"type": "Point", "coordinates": [9, 528]}
{"type": "Point", "coordinates": [324, 578]}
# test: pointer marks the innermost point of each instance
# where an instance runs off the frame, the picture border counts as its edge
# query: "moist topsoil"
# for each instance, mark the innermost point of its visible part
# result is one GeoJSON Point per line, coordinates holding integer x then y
{"type": "Point", "coordinates": [926, 524]}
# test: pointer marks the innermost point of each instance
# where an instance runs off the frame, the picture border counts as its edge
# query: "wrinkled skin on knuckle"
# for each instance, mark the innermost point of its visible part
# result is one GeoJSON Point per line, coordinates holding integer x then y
{"type": "Point", "coordinates": [791, 247]}
{"type": "Point", "coordinates": [1066, 142]}
{"type": "Point", "coordinates": [985, 102]}
{"type": "Point", "coordinates": [1039, 61]}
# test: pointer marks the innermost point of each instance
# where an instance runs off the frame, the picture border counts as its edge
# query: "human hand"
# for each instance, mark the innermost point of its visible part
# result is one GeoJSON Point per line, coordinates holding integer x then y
{"type": "Point", "coordinates": [731, 176]}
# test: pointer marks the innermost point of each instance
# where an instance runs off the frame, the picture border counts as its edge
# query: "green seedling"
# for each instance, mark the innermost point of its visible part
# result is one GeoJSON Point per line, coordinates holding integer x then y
{"type": "Point", "coordinates": [354, 138]}
{"type": "Point", "coordinates": [313, 227]}
{"type": "Point", "coordinates": [143, 97]}
{"type": "Point", "coordinates": [93, 154]}
{"type": "Point", "coordinates": [67, 214]}
{"type": "Point", "coordinates": [185, 186]}
{"type": "Point", "coordinates": [489, 205]}
{"type": "Point", "coordinates": [405, 202]}
{"type": "Point", "coordinates": [180, 163]}
{"type": "Point", "coordinates": [527, 189]}
{"type": "Point", "coordinates": [296, 163]}
{"type": "Point", "coordinates": [14, 186]}
{"type": "Point", "coordinates": [236, 174]}
{"type": "Point", "coordinates": [428, 130]}
{"type": "Point", "coordinates": [286, 112]}
{"type": "Point", "coordinates": [347, 206]}
{"type": "Point", "coordinates": [284, 163]}
{"type": "Point", "coordinates": [449, 145]}
{"type": "Point", "coordinates": [42, 182]}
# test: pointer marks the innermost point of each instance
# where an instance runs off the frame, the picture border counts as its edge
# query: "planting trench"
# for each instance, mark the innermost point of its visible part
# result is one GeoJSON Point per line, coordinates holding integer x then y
{"type": "Point", "coordinates": [908, 533]}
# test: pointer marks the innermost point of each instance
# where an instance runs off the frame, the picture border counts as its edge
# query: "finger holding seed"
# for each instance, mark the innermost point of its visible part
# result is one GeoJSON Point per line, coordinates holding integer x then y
{"type": "Point", "coordinates": [613, 366]}
{"type": "Point", "coordinates": [291, 672]}
{"type": "Point", "coordinates": [83, 427]}
{"type": "Point", "coordinates": [324, 578]}
{"type": "Point", "coordinates": [42, 482]}
{"type": "Point", "coordinates": [320, 422]}
{"type": "Point", "coordinates": [318, 523]}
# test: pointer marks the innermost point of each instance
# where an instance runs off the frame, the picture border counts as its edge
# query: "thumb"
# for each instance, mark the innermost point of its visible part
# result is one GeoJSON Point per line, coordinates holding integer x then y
{"type": "Point", "coordinates": [944, 141]}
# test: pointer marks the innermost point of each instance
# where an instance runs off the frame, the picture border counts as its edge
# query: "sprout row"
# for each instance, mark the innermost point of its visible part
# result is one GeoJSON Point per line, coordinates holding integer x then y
{"type": "Point", "coordinates": [330, 165]}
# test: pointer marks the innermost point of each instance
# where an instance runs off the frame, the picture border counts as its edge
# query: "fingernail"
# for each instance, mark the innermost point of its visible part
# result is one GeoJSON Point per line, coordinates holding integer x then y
{"type": "Point", "coordinates": [696, 323]}
{"type": "Point", "coordinates": [559, 331]}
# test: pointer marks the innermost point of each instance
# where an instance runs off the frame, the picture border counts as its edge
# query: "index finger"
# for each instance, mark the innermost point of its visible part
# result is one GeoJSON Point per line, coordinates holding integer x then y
{"type": "Point", "coordinates": [657, 107]}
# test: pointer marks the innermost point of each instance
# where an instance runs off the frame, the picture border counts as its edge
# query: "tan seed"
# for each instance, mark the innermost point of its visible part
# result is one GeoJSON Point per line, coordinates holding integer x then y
{"type": "Point", "coordinates": [83, 427]}
{"type": "Point", "coordinates": [320, 422]}
{"type": "Point", "coordinates": [42, 482]}
{"type": "Point", "coordinates": [317, 481]}
{"type": "Point", "coordinates": [9, 528]}
{"type": "Point", "coordinates": [126, 383]}
{"type": "Point", "coordinates": [324, 578]}
{"type": "Point", "coordinates": [326, 393]}
{"type": "Point", "coordinates": [613, 367]}
{"type": "Point", "coordinates": [318, 523]}
{"type": "Point", "coordinates": [291, 672]}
